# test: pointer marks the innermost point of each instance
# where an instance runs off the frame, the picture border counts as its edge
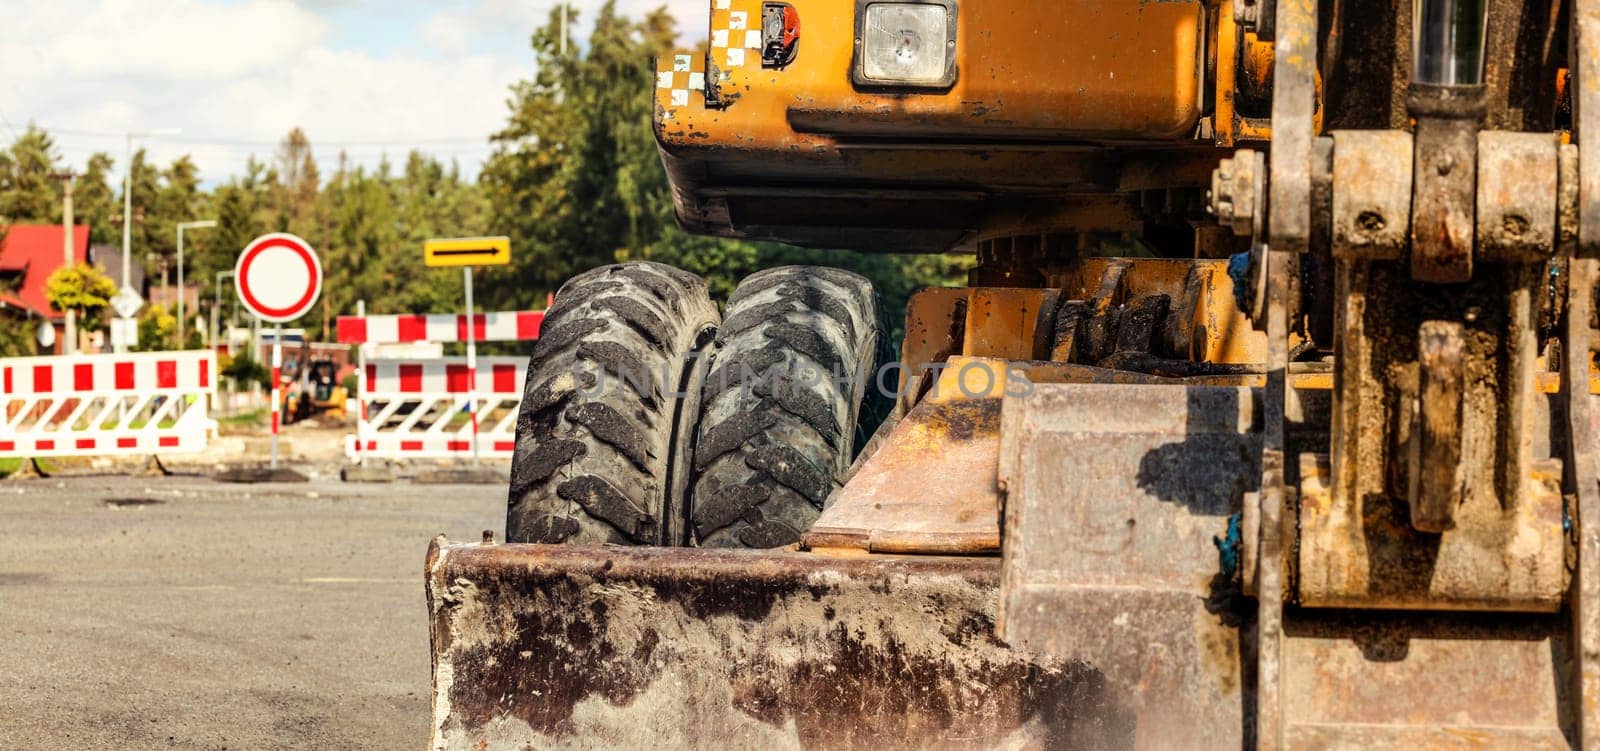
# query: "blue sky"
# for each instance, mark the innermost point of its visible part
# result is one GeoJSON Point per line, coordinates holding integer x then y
{"type": "Point", "coordinates": [370, 77]}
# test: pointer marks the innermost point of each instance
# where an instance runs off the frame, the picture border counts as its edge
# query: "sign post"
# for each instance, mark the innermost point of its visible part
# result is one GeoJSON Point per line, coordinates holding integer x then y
{"type": "Point", "coordinates": [278, 278]}
{"type": "Point", "coordinates": [124, 329]}
{"type": "Point", "coordinates": [467, 252]}
{"type": "Point", "coordinates": [276, 395]}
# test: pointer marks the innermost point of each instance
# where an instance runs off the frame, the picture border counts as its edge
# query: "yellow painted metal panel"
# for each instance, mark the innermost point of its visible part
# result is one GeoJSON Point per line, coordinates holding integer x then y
{"type": "Point", "coordinates": [1133, 70]}
{"type": "Point", "coordinates": [467, 251]}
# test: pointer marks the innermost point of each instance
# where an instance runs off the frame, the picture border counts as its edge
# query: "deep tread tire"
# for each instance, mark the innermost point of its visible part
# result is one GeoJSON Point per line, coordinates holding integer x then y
{"type": "Point", "coordinates": [599, 457]}
{"type": "Point", "coordinates": [773, 442]}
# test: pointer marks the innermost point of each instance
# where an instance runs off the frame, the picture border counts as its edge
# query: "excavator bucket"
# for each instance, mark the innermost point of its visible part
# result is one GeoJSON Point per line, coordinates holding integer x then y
{"type": "Point", "coordinates": [581, 647]}
{"type": "Point", "coordinates": [831, 648]}
{"type": "Point", "coordinates": [578, 647]}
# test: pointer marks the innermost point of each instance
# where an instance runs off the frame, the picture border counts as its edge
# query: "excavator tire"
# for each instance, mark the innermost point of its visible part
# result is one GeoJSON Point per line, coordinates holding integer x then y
{"type": "Point", "coordinates": [603, 433]}
{"type": "Point", "coordinates": [783, 400]}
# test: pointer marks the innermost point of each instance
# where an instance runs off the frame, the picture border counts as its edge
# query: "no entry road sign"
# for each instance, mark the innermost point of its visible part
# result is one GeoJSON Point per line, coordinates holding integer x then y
{"type": "Point", "coordinates": [278, 277]}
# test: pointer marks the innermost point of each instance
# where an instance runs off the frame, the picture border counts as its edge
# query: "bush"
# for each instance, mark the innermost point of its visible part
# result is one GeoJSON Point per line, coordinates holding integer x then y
{"type": "Point", "coordinates": [157, 327]}
{"type": "Point", "coordinates": [245, 370]}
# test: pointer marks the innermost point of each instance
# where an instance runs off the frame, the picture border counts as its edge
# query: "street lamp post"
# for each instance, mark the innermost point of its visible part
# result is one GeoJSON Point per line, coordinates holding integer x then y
{"type": "Point", "coordinates": [216, 310]}
{"type": "Point", "coordinates": [70, 343]}
{"type": "Point", "coordinates": [127, 205]}
{"type": "Point", "coordinates": [202, 224]}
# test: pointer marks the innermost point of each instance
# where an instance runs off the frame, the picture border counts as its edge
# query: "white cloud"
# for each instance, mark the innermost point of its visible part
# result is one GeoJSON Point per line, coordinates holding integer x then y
{"type": "Point", "coordinates": [178, 40]}
{"type": "Point", "coordinates": [236, 75]}
{"type": "Point", "coordinates": [447, 31]}
{"type": "Point", "coordinates": [456, 27]}
{"type": "Point", "coordinates": [693, 15]}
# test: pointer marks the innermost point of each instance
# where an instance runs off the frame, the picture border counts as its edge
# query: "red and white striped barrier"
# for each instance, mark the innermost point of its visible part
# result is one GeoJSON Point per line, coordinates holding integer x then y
{"type": "Point", "coordinates": [419, 409]}
{"type": "Point", "coordinates": [100, 405]}
{"type": "Point", "coordinates": [521, 325]}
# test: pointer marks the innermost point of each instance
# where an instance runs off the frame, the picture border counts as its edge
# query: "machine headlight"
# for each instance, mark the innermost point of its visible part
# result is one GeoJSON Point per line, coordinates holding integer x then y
{"type": "Point", "coordinates": [905, 44]}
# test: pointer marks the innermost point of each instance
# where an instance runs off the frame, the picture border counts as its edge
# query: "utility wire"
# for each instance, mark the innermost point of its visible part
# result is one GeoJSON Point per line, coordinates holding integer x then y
{"type": "Point", "coordinates": [269, 143]}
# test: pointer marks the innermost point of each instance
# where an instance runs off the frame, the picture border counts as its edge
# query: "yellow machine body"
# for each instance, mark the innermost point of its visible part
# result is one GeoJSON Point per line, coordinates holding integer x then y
{"type": "Point", "coordinates": [1201, 456]}
{"type": "Point", "coordinates": [1085, 96]}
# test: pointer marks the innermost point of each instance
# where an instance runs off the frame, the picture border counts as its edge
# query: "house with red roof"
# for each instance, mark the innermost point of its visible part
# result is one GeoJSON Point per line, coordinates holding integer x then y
{"type": "Point", "coordinates": [29, 254]}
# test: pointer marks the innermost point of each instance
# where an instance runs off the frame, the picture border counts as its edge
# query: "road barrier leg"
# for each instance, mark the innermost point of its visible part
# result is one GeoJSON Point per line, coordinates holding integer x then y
{"type": "Point", "coordinates": [154, 468]}
{"type": "Point", "coordinates": [30, 470]}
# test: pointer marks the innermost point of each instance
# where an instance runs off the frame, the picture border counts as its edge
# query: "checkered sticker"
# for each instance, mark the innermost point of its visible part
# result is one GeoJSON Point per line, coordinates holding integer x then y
{"type": "Point", "coordinates": [732, 39]}
{"type": "Point", "coordinates": [681, 80]}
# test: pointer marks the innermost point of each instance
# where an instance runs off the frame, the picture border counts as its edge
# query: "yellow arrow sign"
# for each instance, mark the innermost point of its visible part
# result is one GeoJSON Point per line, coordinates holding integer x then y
{"type": "Point", "coordinates": [467, 251]}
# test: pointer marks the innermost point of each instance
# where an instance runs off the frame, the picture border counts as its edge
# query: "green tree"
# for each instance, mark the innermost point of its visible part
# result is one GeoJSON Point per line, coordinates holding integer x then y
{"type": "Point", "coordinates": [144, 184]}
{"type": "Point", "coordinates": [358, 252]}
{"type": "Point", "coordinates": [179, 199]}
{"type": "Point", "coordinates": [94, 202]}
{"type": "Point", "coordinates": [29, 188]}
{"type": "Point", "coordinates": [16, 336]}
{"type": "Point", "coordinates": [552, 178]}
{"type": "Point", "coordinates": [292, 191]}
{"type": "Point", "coordinates": [84, 288]}
{"type": "Point", "coordinates": [238, 206]}
{"type": "Point", "coordinates": [577, 180]}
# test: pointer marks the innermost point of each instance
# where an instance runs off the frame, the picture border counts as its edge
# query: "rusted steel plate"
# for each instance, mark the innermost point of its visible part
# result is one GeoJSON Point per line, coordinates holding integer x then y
{"type": "Point", "coordinates": [930, 487]}
{"type": "Point", "coordinates": [1584, 422]}
{"type": "Point", "coordinates": [588, 647]}
{"type": "Point", "coordinates": [1585, 413]}
{"type": "Point", "coordinates": [1114, 495]}
{"type": "Point", "coordinates": [1435, 681]}
{"type": "Point", "coordinates": [1369, 556]}
{"type": "Point", "coordinates": [1009, 323]}
{"type": "Point", "coordinates": [1446, 737]}
{"type": "Point", "coordinates": [935, 320]}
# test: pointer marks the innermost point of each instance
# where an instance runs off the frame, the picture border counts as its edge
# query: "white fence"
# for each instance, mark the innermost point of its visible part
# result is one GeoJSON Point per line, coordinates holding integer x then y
{"type": "Point", "coordinates": [418, 409]}
{"type": "Point", "coordinates": [100, 405]}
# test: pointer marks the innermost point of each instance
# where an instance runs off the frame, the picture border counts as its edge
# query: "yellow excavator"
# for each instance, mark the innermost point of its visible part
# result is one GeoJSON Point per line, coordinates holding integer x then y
{"type": "Point", "coordinates": [1265, 420]}
{"type": "Point", "coordinates": [311, 388]}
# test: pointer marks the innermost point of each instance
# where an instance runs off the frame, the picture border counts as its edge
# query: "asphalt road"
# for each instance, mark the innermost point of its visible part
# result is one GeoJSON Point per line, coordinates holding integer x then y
{"type": "Point", "coordinates": [182, 613]}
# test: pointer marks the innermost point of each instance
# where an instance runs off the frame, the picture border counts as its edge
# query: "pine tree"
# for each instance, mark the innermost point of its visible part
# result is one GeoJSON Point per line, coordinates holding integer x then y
{"type": "Point", "coordinates": [94, 202]}
{"type": "Point", "coordinates": [29, 189]}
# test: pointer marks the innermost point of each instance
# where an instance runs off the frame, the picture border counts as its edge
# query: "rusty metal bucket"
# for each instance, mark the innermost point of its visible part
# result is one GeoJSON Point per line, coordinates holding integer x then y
{"type": "Point", "coordinates": [585, 647]}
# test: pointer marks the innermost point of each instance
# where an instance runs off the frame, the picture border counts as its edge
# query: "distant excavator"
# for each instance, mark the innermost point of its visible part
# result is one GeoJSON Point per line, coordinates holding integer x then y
{"type": "Point", "coordinates": [1266, 419]}
{"type": "Point", "coordinates": [312, 388]}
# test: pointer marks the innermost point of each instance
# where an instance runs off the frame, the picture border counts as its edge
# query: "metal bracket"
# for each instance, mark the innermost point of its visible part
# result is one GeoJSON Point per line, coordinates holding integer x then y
{"type": "Point", "coordinates": [1371, 194]}
{"type": "Point", "coordinates": [1517, 177]}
